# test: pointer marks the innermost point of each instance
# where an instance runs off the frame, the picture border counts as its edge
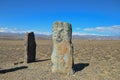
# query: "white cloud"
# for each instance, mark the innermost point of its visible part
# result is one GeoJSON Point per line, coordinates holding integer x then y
{"type": "Point", "coordinates": [8, 30]}
{"type": "Point", "coordinates": [78, 33]}
{"type": "Point", "coordinates": [3, 29]}
{"type": "Point", "coordinates": [78, 28]}
{"type": "Point", "coordinates": [40, 32]}
{"type": "Point", "coordinates": [114, 28]}
{"type": "Point", "coordinates": [100, 30]}
{"type": "Point", "coordinates": [15, 30]}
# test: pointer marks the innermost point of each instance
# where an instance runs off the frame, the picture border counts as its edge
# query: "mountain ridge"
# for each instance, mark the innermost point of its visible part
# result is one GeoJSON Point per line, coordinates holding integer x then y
{"type": "Point", "coordinates": [44, 36]}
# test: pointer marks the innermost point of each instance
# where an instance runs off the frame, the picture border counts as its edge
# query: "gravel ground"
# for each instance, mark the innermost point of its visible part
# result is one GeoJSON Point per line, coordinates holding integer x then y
{"type": "Point", "coordinates": [94, 60]}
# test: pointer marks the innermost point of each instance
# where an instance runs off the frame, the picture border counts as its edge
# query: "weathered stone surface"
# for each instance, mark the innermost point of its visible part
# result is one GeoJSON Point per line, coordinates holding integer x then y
{"type": "Point", "coordinates": [30, 48]}
{"type": "Point", "coordinates": [62, 55]}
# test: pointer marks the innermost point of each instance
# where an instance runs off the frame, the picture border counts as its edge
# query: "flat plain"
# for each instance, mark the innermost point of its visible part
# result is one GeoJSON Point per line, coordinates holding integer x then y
{"type": "Point", "coordinates": [94, 60]}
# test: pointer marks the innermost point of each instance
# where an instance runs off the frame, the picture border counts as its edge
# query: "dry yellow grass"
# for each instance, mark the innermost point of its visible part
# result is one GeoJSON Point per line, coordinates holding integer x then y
{"type": "Point", "coordinates": [94, 60]}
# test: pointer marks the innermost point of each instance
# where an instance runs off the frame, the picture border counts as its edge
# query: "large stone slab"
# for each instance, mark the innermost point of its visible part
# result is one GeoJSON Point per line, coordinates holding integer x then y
{"type": "Point", "coordinates": [30, 48]}
{"type": "Point", "coordinates": [62, 55]}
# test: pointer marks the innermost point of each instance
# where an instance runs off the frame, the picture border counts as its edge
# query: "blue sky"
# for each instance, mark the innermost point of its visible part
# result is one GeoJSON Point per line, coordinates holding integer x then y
{"type": "Point", "coordinates": [88, 17]}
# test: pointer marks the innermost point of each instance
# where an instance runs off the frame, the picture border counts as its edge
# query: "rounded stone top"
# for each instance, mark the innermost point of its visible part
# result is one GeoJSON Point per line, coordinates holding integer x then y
{"type": "Point", "coordinates": [29, 32]}
{"type": "Point", "coordinates": [61, 24]}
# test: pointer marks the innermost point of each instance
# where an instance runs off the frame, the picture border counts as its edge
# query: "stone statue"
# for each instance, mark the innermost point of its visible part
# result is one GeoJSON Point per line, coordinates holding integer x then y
{"type": "Point", "coordinates": [62, 55]}
{"type": "Point", "coordinates": [30, 47]}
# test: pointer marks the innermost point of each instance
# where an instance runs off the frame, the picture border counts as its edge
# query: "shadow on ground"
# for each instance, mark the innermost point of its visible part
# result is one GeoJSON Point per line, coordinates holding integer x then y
{"type": "Point", "coordinates": [80, 66]}
{"type": "Point", "coordinates": [42, 60]}
{"type": "Point", "coordinates": [12, 69]}
{"type": "Point", "coordinates": [39, 60]}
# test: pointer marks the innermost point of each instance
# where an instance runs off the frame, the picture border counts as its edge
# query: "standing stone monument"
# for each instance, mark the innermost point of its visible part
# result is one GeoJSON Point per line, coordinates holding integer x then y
{"type": "Point", "coordinates": [62, 55]}
{"type": "Point", "coordinates": [30, 47]}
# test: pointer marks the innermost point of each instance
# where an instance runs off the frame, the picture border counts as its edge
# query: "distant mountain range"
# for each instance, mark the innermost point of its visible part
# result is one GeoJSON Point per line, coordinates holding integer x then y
{"type": "Point", "coordinates": [96, 37]}
{"type": "Point", "coordinates": [43, 36]}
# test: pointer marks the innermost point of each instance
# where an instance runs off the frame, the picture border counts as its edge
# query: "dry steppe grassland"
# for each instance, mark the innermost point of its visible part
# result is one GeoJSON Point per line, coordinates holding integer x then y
{"type": "Point", "coordinates": [93, 59]}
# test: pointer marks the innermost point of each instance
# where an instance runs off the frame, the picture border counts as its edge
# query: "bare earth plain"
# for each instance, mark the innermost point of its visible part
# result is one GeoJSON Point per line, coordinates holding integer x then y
{"type": "Point", "coordinates": [94, 60]}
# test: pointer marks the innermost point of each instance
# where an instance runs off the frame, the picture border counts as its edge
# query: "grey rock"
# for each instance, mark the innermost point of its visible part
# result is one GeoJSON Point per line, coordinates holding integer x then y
{"type": "Point", "coordinates": [62, 55]}
{"type": "Point", "coordinates": [30, 48]}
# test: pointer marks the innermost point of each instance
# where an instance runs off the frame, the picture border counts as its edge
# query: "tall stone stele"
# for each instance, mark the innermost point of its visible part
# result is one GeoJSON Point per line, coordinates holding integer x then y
{"type": "Point", "coordinates": [62, 55]}
{"type": "Point", "coordinates": [30, 48]}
